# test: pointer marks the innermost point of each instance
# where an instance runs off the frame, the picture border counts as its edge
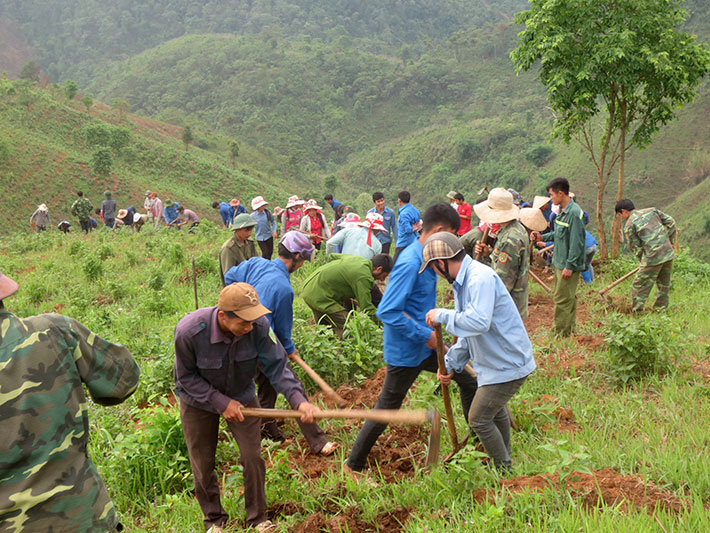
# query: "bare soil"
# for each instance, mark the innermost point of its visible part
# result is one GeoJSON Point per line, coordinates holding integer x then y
{"type": "Point", "coordinates": [607, 487]}
{"type": "Point", "coordinates": [564, 418]}
{"type": "Point", "coordinates": [363, 396]}
{"type": "Point", "coordinates": [350, 520]}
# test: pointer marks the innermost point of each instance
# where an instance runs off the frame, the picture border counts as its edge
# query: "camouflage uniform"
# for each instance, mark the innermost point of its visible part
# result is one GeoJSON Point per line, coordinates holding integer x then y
{"type": "Point", "coordinates": [510, 259]}
{"type": "Point", "coordinates": [233, 252]}
{"type": "Point", "coordinates": [48, 481]}
{"type": "Point", "coordinates": [469, 240]}
{"type": "Point", "coordinates": [82, 209]}
{"type": "Point", "coordinates": [650, 233]}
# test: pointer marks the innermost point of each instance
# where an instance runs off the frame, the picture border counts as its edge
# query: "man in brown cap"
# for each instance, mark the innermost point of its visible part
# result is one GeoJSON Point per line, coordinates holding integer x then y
{"type": "Point", "coordinates": [217, 350]}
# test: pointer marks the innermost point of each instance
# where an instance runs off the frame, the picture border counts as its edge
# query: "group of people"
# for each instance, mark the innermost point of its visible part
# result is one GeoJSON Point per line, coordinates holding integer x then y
{"type": "Point", "coordinates": [237, 354]}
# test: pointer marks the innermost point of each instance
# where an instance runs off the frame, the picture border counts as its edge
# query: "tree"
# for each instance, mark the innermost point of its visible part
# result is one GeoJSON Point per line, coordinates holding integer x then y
{"type": "Point", "coordinates": [187, 136]}
{"type": "Point", "coordinates": [30, 71]}
{"type": "Point", "coordinates": [70, 89]}
{"type": "Point", "coordinates": [101, 161]}
{"type": "Point", "coordinates": [615, 72]}
{"type": "Point", "coordinates": [122, 105]}
{"type": "Point", "coordinates": [234, 151]}
{"type": "Point", "coordinates": [88, 101]}
{"type": "Point", "coordinates": [331, 183]}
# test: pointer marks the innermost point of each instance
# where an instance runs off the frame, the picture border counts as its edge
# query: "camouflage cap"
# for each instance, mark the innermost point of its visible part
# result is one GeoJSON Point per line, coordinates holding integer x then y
{"type": "Point", "coordinates": [242, 300]}
{"type": "Point", "coordinates": [441, 245]}
{"type": "Point", "coordinates": [8, 286]}
{"type": "Point", "coordinates": [243, 221]}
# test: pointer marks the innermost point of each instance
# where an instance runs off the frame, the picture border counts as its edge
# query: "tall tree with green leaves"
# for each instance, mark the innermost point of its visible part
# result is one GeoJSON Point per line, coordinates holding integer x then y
{"type": "Point", "coordinates": [615, 72]}
{"type": "Point", "coordinates": [122, 105]}
{"type": "Point", "coordinates": [187, 137]}
{"type": "Point", "coordinates": [70, 89]}
{"type": "Point", "coordinates": [234, 151]}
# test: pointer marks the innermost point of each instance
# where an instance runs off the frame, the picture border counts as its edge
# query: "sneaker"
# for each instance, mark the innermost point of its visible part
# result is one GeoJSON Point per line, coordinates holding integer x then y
{"type": "Point", "coordinates": [215, 529]}
{"type": "Point", "coordinates": [266, 525]}
{"type": "Point", "coordinates": [329, 449]}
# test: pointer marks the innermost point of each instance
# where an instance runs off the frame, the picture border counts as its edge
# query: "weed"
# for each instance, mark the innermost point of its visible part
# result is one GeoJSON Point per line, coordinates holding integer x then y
{"type": "Point", "coordinates": [93, 267]}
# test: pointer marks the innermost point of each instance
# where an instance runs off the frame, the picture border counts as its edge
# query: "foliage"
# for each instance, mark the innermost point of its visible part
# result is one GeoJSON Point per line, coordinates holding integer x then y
{"type": "Point", "coordinates": [4, 150]}
{"type": "Point", "coordinates": [122, 105]}
{"type": "Point", "coordinates": [539, 154]}
{"type": "Point", "coordinates": [187, 137]}
{"type": "Point", "coordinates": [30, 71]}
{"type": "Point", "coordinates": [102, 161]}
{"type": "Point", "coordinates": [638, 346]}
{"type": "Point", "coordinates": [70, 89]}
{"type": "Point", "coordinates": [87, 101]}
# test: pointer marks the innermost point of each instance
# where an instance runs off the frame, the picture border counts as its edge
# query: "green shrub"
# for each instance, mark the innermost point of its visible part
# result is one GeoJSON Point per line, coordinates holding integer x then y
{"type": "Point", "coordinates": [638, 346]}
{"type": "Point", "coordinates": [93, 267]}
{"type": "Point", "coordinates": [104, 251]}
{"type": "Point", "coordinates": [539, 155]}
{"type": "Point", "coordinates": [37, 290]}
{"type": "Point", "coordinates": [76, 248]}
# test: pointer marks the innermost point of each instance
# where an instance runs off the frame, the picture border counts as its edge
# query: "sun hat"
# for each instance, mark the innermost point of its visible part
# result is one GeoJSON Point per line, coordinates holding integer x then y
{"type": "Point", "coordinates": [293, 201]}
{"type": "Point", "coordinates": [441, 245]}
{"type": "Point", "coordinates": [242, 300]}
{"type": "Point", "coordinates": [278, 211]}
{"type": "Point", "coordinates": [122, 213]}
{"type": "Point", "coordinates": [450, 195]}
{"type": "Point", "coordinates": [257, 202]}
{"type": "Point", "coordinates": [136, 217]}
{"type": "Point", "coordinates": [43, 208]}
{"type": "Point", "coordinates": [242, 221]}
{"type": "Point", "coordinates": [373, 222]}
{"type": "Point", "coordinates": [498, 208]}
{"type": "Point", "coordinates": [297, 242]}
{"type": "Point", "coordinates": [350, 220]}
{"type": "Point", "coordinates": [148, 193]}
{"type": "Point", "coordinates": [234, 202]}
{"type": "Point", "coordinates": [540, 201]}
{"type": "Point", "coordinates": [8, 286]}
{"type": "Point", "coordinates": [517, 197]}
{"type": "Point", "coordinates": [533, 219]}
{"type": "Point", "coordinates": [311, 204]}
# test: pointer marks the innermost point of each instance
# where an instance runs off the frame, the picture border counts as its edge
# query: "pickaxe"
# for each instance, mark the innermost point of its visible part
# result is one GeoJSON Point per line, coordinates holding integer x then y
{"type": "Point", "coordinates": [484, 188]}
{"type": "Point", "coordinates": [445, 388]}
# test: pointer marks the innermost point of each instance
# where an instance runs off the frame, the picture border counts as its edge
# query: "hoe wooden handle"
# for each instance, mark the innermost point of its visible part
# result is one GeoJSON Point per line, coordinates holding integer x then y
{"type": "Point", "coordinates": [622, 278]}
{"type": "Point", "coordinates": [445, 388]}
{"type": "Point", "coordinates": [537, 278]}
{"type": "Point", "coordinates": [483, 242]}
{"type": "Point", "coordinates": [545, 249]}
{"type": "Point", "coordinates": [318, 380]}
{"type": "Point", "coordinates": [384, 416]}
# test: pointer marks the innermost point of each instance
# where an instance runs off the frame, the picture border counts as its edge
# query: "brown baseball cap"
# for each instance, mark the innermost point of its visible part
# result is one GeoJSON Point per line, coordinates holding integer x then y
{"type": "Point", "coordinates": [242, 300]}
{"type": "Point", "coordinates": [8, 286]}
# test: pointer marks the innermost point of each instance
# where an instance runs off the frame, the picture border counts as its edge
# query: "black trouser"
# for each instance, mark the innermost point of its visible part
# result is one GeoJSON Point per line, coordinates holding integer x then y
{"type": "Point", "coordinates": [386, 248]}
{"type": "Point", "coordinates": [397, 383]}
{"type": "Point", "coordinates": [267, 248]}
{"type": "Point", "coordinates": [85, 225]}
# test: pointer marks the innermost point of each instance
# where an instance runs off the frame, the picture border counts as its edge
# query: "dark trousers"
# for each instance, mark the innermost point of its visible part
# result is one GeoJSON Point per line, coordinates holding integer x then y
{"type": "Point", "coordinates": [315, 436]}
{"type": "Point", "coordinates": [397, 383]}
{"type": "Point", "coordinates": [85, 225]}
{"type": "Point", "coordinates": [109, 222]}
{"type": "Point", "coordinates": [267, 248]}
{"type": "Point", "coordinates": [200, 428]}
{"type": "Point", "coordinates": [386, 248]}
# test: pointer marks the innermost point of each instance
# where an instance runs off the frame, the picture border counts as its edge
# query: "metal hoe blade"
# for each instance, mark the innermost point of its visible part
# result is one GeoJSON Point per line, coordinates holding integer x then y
{"type": "Point", "coordinates": [432, 457]}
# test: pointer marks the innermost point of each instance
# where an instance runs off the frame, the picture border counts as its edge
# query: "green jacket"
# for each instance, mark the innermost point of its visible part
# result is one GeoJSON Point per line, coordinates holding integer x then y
{"type": "Point", "coordinates": [341, 278]}
{"type": "Point", "coordinates": [569, 239]}
{"type": "Point", "coordinates": [650, 233]}
{"type": "Point", "coordinates": [82, 209]}
{"type": "Point", "coordinates": [48, 481]}
{"type": "Point", "coordinates": [469, 240]}
{"type": "Point", "coordinates": [510, 259]}
{"type": "Point", "coordinates": [233, 252]}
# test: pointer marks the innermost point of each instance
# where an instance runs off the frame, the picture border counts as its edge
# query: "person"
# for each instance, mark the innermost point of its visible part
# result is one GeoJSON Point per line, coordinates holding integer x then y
{"type": "Point", "coordinates": [138, 221]}
{"type": "Point", "coordinates": [239, 247]}
{"type": "Point", "coordinates": [489, 333]}
{"type": "Point", "coordinates": [471, 238]}
{"type": "Point", "coordinates": [217, 352]}
{"type": "Point", "coordinates": [510, 257]}
{"type": "Point", "coordinates": [409, 344]}
{"type": "Point", "coordinates": [329, 290]}
{"type": "Point", "coordinates": [81, 209]}
{"type": "Point", "coordinates": [226, 211]}
{"type": "Point", "coordinates": [266, 230]}
{"type": "Point", "coordinates": [49, 483]}
{"type": "Point", "coordinates": [108, 210]}
{"type": "Point", "coordinates": [568, 257]}
{"type": "Point", "coordinates": [407, 223]}
{"type": "Point", "coordinates": [651, 234]}
{"type": "Point", "coordinates": [451, 196]}
{"type": "Point", "coordinates": [590, 249]}
{"type": "Point", "coordinates": [271, 280]}
{"type": "Point", "coordinates": [172, 215]}
{"type": "Point", "coordinates": [42, 217]}
{"type": "Point", "coordinates": [123, 218]}
{"type": "Point", "coordinates": [188, 216]}
{"type": "Point", "coordinates": [148, 205]}
{"type": "Point", "coordinates": [64, 226]}
{"type": "Point", "coordinates": [356, 237]}
{"type": "Point", "coordinates": [332, 202]}
{"type": "Point", "coordinates": [465, 211]}
{"type": "Point", "coordinates": [157, 210]}
{"type": "Point", "coordinates": [314, 224]}
{"type": "Point", "coordinates": [291, 217]}
{"type": "Point", "coordinates": [389, 221]}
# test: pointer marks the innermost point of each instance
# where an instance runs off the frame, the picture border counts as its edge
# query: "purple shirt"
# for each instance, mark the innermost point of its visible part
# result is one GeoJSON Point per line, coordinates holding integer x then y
{"type": "Point", "coordinates": [212, 368]}
{"type": "Point", "coordinates": [189, 216]}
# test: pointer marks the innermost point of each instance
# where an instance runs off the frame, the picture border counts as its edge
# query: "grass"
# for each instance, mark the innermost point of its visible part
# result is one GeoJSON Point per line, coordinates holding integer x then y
{"type": "Point", "coordinates": [654, 427]}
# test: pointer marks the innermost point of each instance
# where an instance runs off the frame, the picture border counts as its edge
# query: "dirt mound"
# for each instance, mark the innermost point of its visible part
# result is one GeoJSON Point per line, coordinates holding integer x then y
{"type": "Point", "coordinates": [350, 520]}
{"type": "Point", "coordinates": [601, 487]}
{"type": "Point", "coordinates": [364, 395]}
{"type": "Point", "coordinates": [397, 451]}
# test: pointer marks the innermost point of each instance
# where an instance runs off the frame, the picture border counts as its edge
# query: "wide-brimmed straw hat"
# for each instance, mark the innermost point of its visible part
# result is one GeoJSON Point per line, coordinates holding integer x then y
{"type": "Point", "coordinates": [122, 213]}
{"type": "Point", "coordinates": [540, 201]}
{"type": "Point", "coordinates": [450, 195]}
{"type": "Point", "coordinates": [294, 201]}
{"type": "Point", "coordinates": [43, 208]}
{"type": "Point", "coordinates": [311, 204]}
{"type": "Point", "coordinates": [498, 208]}
{"type": "Point", "coordinates": [234, 202]}
{"type": "Point", "coordinates": [533, 219]}
{"type": "Point", "coordinates": [8, 286]}
{"type": "Point", "coordinates": [257, 202]}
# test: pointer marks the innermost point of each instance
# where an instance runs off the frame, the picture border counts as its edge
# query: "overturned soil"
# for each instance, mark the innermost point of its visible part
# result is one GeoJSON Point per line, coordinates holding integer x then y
{"type": "Point", "coordinates": [602, 487]}
{"type": "Point", "coordinates": [350, 520]}
{"type": "Point", "coordinates": [363, 396]}
{"type": "Point", "coordinates": [564, 419]}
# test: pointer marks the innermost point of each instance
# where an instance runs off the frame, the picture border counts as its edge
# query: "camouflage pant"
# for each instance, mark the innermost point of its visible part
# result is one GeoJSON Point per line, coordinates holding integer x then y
{"type": "Point", "coordinates": [643, 283]}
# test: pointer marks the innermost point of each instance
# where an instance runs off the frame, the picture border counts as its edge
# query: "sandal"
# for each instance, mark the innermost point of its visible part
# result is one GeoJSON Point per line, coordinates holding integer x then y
{"type": "Point", "coordinates": [329, 448]}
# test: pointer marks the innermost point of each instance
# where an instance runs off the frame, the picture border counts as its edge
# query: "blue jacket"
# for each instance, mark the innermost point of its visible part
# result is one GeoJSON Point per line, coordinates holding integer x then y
{"type": "Point", "coordinates": [390, 224]}
{"type": "Point", "coordinates": [171, 213]}
{"type": "Point", "coordinates": [488, 326]}
{"type": "Point", "coordinates": [335, 204]}
{"type": "Point", "coordinates": [408, 215]}
{"type": "Point", "coordinates": [272, 283]}
{"type": "Point", "coordinates": [226, 211]}
{"type": "Point", "coordinates": [409, 295]}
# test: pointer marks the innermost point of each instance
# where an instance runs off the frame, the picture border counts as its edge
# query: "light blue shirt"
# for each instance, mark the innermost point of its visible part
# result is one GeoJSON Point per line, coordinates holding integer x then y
{"type": "Point", "coordinates": [264, 230]}
{"type": "Point", "coordinates": [354, 241]}
{"type": "Point", "coordinates": [488, 326]}
{"type": "Point", "coordinates": [389, 222]}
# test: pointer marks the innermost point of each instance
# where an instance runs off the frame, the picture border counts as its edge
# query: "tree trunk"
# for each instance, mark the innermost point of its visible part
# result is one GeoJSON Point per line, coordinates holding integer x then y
{"type": "Point", "coordinates": [601, 186]}
{"type": "Point", "coordinates": [616, 224]}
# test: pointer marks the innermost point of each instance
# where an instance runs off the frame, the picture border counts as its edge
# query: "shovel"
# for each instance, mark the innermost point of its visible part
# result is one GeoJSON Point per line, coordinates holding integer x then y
{"type": "Point", "coordinates": [614, 284]}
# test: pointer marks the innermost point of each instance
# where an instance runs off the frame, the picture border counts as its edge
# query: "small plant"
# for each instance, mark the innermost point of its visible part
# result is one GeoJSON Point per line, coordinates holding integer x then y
{"type": "Point", "coordinates": [637, 346]}
{"type": "Point", "coordinates": [93, 267]}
